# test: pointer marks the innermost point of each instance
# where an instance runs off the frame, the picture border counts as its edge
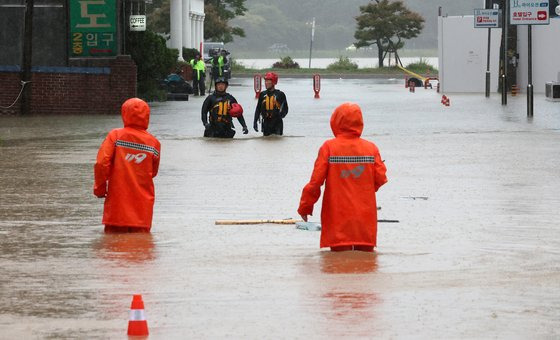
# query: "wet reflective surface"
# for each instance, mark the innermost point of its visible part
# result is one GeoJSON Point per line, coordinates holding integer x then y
{"type": "Point", "coordinates": [479, 258]}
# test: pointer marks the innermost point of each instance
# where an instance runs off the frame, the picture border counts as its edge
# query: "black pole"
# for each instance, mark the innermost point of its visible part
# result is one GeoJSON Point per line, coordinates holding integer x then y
{"type": "Point", "coordinates": [488, 64]}
{"type": "Point", "coordinates": [504, 61]}
{"type": "Point", "coordinates": [530, 73]}
{"type": "Point", "coordinates": [27, 58]}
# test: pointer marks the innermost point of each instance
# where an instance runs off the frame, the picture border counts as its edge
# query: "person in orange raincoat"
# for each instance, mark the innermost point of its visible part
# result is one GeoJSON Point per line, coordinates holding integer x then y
{"type": "Point", "coordinates": [352, 171]}
{"type": "Point", "coordinates": [127, 162]}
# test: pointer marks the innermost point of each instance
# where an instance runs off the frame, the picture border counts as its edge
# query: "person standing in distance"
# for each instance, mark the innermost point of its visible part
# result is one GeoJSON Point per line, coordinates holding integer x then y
{"type": "Point", "coordinates": [199, 72]}
{"type": "Point", "coordinates": [272, 107]}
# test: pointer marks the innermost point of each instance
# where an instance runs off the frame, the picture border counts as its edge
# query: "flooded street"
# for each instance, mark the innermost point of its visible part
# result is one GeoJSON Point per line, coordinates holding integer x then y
{"type": "Point", "coordinates": [476, 253]}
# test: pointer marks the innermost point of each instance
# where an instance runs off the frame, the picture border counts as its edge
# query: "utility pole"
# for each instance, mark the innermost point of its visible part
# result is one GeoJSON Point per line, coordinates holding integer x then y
{"type": "Point", "coordinates": [530, 72]}
{"type": "Point", "coordinates": [311, 43]}
{"type": "Point", "coordinates": [505, 50]}
{"type": "Point", "coordinates": [26, 59]}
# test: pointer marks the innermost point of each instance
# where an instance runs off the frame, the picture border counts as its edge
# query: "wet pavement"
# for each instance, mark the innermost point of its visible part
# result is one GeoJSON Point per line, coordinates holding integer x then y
{"type": "Point", "coordinates": [476, 254]}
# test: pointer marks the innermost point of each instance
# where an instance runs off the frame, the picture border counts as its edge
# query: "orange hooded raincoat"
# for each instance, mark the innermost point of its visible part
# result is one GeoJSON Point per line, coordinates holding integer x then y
{"type": "Point", "coordinates": [353, 171]}
{"type": "Point", "coordinates": [127, 161]}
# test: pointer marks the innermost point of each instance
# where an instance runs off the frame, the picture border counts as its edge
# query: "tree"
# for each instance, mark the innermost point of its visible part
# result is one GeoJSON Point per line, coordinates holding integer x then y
{"type": "Point", "coordinates": [386, 24]}
{"type": "Point", "coordinates": [154, 61]}
{"type": "Point", "coordinates": [218, 14]}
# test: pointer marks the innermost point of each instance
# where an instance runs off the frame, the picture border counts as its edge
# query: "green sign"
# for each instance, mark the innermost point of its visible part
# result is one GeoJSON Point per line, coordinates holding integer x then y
{"type": "Point", "coordinates": [93, 28]}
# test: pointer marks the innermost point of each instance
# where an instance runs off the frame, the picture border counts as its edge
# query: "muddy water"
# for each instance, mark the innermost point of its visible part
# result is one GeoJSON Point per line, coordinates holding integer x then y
{"type": "Point", "coordinates": [475, 255]}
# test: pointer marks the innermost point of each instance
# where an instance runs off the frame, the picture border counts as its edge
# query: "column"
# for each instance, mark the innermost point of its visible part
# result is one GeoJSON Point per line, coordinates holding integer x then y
{"type": "Point", "coordinates": [176, 32]}
{"type": "Point", "coordinates": [186, 26]}
{"type": "Point", "coordinates": [193, 33]}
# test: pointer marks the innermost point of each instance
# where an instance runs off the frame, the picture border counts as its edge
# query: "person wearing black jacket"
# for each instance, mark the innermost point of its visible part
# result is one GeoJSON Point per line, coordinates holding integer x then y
{"type": "Point", "coordinates": [218, 110]}
{"type": "Point", "coordinates": [272, 107]}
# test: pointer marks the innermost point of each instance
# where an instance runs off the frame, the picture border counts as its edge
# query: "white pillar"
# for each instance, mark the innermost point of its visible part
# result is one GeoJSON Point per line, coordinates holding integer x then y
{"type": "Point", "coordinates": [193, 33]}
{"type": "Point", "coordinates": [176, 26]}
{"type": "Point", "coordinates": [197, 33]}
{"type": "Point", "coordinates": [186, 25]}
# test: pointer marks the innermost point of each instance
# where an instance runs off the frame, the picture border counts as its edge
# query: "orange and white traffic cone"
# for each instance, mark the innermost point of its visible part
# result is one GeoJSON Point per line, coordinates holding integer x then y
{"type": "Point", "coordinates": [137, 324]}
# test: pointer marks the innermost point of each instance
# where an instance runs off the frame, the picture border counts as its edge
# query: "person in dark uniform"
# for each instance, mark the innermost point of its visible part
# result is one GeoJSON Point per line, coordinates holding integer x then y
{"type": "Point", "coordinates": [272, 107]}
{"type": "Point", "coordinates": [220, 107]}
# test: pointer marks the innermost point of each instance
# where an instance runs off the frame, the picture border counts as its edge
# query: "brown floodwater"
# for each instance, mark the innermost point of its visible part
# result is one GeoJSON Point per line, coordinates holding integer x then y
{"type": "Point", "coordinates": [476, 253]}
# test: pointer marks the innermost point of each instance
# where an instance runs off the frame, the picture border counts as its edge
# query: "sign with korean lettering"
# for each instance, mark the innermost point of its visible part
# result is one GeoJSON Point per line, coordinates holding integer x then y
{"type": "Point", "coordinates": [487, 18]}
{"type": "Point", "coordinates": [529, 12]}
{"type": "Point", "coordinates": [138, 23]}
{"type": "Point", "coordinates": [93, 28]}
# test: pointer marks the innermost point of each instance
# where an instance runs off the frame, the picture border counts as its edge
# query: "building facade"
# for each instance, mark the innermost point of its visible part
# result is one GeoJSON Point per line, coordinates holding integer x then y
{"type": "Point", "coordinates": [77, 61]}
{"type": "Point", "coordinates": [187, 25]}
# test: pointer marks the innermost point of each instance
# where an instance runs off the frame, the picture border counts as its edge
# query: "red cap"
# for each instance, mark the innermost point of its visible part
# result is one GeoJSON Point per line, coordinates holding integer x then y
{"type": "Point", "coordinates": [236, 110]}
{"type": "Point", "coordinates": [272, 76]}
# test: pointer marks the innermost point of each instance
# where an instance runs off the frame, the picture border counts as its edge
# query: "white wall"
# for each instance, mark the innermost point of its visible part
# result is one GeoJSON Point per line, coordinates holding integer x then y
{"type": "Point", "coordinates": [546, 55]}
{"type": "Point", "coordinates": [462, 52]}
{"type": "Point", "coordinates": [462, 55]}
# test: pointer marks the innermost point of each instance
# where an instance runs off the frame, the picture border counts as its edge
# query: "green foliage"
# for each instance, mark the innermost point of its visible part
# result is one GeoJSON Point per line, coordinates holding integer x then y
{"type": "Point", "coordinates": [158, 18]}
{"type": "Point", "coordinates": [422, 67]}
{"type": "Point", "coordinates": [386, 24]}
{"type": "Point", "coordinates": [189, 53]}
{"type": "Point", "coordinates": [153, 60]}
{"type": "Point", "coordinates": [218, 14]}
{"type": "Point", "coordinates": [286, 62]}
{"type": "Point", "coordinates": [343, 64]}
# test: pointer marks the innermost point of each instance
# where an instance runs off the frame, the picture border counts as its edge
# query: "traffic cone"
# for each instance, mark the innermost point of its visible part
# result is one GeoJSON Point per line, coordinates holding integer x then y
{"type": "Point", "coordinates": [137, 324]}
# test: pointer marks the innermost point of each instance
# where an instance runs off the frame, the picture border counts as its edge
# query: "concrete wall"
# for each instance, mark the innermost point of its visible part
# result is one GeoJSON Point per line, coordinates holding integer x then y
{"type": "Point", "coordinates": [462, 55]}
{"type": "Point", "coordinates": [546, 55]}
{"type": "Point", "coordinates": [462, 52]}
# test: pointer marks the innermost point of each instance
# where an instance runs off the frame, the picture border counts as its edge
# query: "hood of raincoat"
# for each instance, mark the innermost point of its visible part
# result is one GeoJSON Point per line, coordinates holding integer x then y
{"type": "Point", "coordinates": [347, 120]}
{"type": "Point", "coordinates": [135, 113]}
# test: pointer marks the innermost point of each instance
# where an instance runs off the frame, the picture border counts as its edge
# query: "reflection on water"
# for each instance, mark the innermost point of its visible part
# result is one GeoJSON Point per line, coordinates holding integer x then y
{"type": "Point", "coordinates": [348, 262]}
{"type": "Point", "coordinates": [125, 247]}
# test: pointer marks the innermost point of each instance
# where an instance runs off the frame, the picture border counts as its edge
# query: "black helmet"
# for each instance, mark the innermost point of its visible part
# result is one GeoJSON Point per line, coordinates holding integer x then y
{"type": "Point", "coordinates": [221, 80]}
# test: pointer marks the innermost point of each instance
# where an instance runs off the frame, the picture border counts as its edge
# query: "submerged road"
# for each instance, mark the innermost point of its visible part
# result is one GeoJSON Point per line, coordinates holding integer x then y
{"type": "Point", "coordinates": [476, 254]}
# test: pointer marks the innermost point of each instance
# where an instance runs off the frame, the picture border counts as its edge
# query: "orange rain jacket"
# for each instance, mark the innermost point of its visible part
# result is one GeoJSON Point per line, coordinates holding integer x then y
{"type": "Point", "coordinates": [127, 161]}
{"type": "Point", "coordinates": [353, 171]}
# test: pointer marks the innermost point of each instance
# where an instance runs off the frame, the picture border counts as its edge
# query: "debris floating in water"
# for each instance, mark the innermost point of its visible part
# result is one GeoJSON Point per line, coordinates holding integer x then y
{"type": "Point", "coordinates": [312, 226]}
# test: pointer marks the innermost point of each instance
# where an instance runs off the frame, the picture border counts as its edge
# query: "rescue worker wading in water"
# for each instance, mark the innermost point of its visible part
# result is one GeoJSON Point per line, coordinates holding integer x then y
{"type": "Point", "coordinates": [220, 107]}
{"type": "Point", "coordinates": [272, 107]}
{"type": "Point", "coordinates": [127, 162]}
{"type": "Point", "coordinates": [352, 171]}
